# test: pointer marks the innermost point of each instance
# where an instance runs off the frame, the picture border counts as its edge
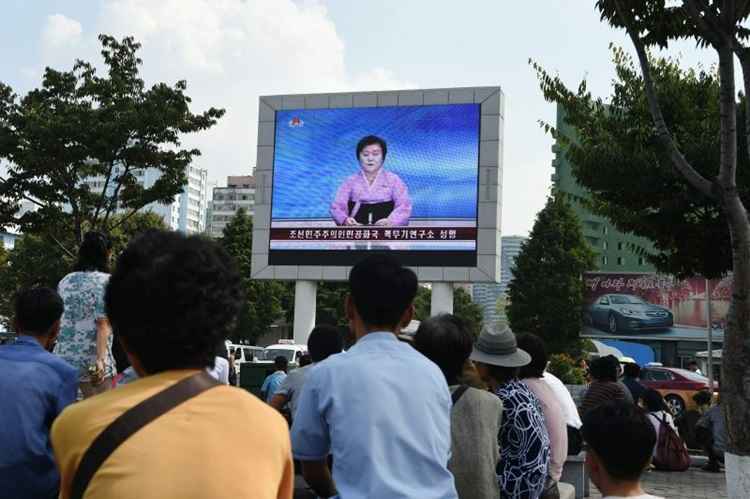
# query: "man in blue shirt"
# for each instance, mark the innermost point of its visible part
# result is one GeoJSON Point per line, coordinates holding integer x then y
{"type": "Point", "coordinates": [381, 409]}
{"type": "Point", "coordinates": [273, 381]}
{"type": "Point", "coordinates": [35, 386]}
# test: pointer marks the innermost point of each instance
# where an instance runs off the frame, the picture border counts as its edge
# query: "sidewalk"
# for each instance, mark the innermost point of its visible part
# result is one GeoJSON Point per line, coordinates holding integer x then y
{"type": "Point", "coordinates": [691, 484]}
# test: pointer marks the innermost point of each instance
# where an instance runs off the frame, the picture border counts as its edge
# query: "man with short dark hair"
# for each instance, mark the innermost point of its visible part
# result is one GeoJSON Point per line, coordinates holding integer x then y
{"type": "Point", "coordinates": [382, 410]}
{"type": "Point", "coordinates": [171, 300]}
{"type": "Point", "coordinates": [323, 342]}
{"type": "Point", "coordinates": [273, 381]}
{"type": "Point", "coordinates": [693, 367]}
{"type": "Point", "coordinates": [620, 442]}
{"type": "Point", "coordinates": [35, 386]}
{"type": "Point", "coordinates": [632, 372]}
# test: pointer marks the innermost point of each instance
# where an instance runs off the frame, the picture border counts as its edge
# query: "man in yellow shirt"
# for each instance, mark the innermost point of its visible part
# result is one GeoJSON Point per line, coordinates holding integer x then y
{"type": "Point", "coordinates": [170, 300]}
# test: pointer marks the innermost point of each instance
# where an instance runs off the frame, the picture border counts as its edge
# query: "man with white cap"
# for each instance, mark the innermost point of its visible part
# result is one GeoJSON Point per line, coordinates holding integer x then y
{"type": "Point", "coordinates": [523, 438]}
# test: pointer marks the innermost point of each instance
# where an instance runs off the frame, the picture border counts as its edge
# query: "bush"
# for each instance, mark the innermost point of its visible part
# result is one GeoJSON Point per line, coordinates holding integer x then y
{"type": "Point", "coordinates": [564, 367]}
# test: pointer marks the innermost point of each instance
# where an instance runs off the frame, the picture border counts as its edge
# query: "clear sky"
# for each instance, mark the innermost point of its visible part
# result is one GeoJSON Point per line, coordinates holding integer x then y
{"type": "Point", "coordinates": [232, 51]}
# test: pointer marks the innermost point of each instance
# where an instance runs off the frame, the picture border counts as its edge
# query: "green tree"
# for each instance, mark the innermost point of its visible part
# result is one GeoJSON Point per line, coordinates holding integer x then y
{"type": "Point", "coordinates": [616, 155]}
{"type": "Point", "coordinates": [262, 305]}
{"type": "Point", "coordinates": [80, 125]}
{"type": "Point", "coordinates": [546, 292]}
{"type": "Point", "coordinates": [719, 25]}
{"type": "Point", "coordinates": [36, 260]}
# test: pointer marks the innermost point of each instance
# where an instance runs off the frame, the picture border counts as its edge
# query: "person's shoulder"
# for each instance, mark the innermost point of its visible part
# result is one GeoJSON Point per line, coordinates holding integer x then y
{"type": "Point", "coordinates": [484, 397]}
{"type": "Point", "coordinates": [60, 365]}
{"type": "Point", "coordinates": [392, 177]}
{"type": "Point", "coordinates": [249, 405]}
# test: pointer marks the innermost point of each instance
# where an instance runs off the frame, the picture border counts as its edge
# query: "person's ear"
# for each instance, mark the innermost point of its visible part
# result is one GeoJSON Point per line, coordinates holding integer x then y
{"type": "Point", "coordinates": [349, 308]}
{"type": "Point", "coordinates": [407, 316]}
{"type": "Point", "coordinates": [52, 334]}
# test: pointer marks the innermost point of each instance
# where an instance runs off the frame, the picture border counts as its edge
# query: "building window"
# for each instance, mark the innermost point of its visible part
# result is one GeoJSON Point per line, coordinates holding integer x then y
{"type": "Point", "coordinates": [619, 246]}
{"type": "Point", "coordinates": [604, 260]}
{"type": "Point", "coordinates": [641, 260]}
{"type": "Point", "coordinates": [620, 260]}
{"type": "Point", "coordinates": [605, 245]}
{"type": "Point", "coordinates": [604, 230]}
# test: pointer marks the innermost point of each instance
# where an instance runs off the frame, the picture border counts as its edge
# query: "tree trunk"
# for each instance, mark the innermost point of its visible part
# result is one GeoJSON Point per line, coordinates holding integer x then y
{"type": "Point", "coordinates": [735, 382]}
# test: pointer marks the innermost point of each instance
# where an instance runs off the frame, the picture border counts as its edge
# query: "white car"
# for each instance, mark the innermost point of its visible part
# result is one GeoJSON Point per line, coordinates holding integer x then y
{"type": "Point", "coordinates": [284, 348]}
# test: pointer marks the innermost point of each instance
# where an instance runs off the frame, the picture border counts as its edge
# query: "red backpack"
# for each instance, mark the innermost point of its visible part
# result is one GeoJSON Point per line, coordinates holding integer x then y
{"type": "Point", "coordinates": [671, 453]}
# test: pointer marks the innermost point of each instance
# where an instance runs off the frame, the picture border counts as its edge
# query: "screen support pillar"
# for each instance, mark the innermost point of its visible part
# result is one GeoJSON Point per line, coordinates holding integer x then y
{"type": "Point", "coordinates": [442, 298]}
{"type": "Point", "coordinates": [305, 301]}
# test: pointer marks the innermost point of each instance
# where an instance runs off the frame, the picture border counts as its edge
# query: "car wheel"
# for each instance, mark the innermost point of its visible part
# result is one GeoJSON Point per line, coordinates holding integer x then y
{"type": "Point", "coordinates": [676, 404]}
{"type": "Point", "coordinates": [612, 323]}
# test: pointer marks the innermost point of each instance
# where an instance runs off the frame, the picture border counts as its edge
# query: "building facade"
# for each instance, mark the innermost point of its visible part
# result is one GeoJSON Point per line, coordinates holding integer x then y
{"type": "Point", "coordinates": [491, 296]}
{"type": "Point", "coordinates": [239, 193]}
{"type": "Point", "coordinates": [186, 213]}
{"type": "Point", "coordinates": [615, 250]}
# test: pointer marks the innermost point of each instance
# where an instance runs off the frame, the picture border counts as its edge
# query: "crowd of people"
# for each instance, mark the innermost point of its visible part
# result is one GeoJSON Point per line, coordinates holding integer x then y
{"type": "Point", "coordinates": [445, 416]}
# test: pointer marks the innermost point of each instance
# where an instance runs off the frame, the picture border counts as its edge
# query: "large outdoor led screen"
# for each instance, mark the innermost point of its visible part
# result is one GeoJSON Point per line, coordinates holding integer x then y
{"type": "Point", "coordinates": [353, 181]}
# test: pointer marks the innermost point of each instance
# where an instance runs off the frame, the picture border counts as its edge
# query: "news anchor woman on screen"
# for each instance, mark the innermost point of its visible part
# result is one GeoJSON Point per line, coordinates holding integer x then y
{"type": "Point", "coordinates": [373, 196]}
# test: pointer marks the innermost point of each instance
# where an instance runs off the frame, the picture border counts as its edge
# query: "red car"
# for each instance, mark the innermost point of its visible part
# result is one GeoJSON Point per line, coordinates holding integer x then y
{"type": "Point", "coordinates": [677, 386]}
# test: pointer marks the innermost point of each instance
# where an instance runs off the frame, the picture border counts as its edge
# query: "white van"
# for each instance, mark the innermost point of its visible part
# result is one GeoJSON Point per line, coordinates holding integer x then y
{"type": "Point", "coordinates": [245, 353]}
{"type": "Point", "coordinates": [284, 348]}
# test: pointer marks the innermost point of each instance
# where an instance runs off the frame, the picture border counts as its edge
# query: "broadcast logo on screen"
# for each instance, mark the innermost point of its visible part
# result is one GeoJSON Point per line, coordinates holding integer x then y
{"type": "Point", "coordinates": [296, 122]}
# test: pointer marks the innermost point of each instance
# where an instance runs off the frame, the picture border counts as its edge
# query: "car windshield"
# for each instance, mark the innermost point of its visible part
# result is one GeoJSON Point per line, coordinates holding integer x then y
{"type": "Point", "coordinates": [272, 353]}
{"type": "Point", "coordinates": [626, 300]}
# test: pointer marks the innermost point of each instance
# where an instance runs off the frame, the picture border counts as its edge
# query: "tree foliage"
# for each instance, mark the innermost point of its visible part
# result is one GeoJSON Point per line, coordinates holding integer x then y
{"type": "Point", "coordinates": [80, 125]}
{"type": "Point", "coordinates": [616, 154]}
{"type": "Point", "coordinates": [262, 304]}
{"type": "Point", "coordinates": [720, 25]}
{"type": "Point", "coordinates": [546, 292]}
{"type": "Point", "coordinates": [36, 259]}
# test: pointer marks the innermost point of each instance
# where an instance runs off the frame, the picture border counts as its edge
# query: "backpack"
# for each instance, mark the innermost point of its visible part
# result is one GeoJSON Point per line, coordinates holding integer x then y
{"type": "Point", "coordinates": [671, 453]}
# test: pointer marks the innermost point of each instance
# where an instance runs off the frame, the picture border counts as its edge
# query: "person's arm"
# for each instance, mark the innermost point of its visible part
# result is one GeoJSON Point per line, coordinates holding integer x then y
{"type": "Point", "coordinates": [402, 204]}
{"type": "Point", "coordinates": [318, 477]}
{"type": "Point", "coordinates": [310, 434]}
{"type": "Point", "coordinates": [340, 204]}
{"type": "Point", "coordinates": [103, 331]}
{"type": "Point", "coordinates": [278, 401]}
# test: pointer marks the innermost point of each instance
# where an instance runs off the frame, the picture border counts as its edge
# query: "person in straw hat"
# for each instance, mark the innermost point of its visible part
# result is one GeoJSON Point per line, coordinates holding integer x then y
{"type": "Point", "coordinates": [524, 442]}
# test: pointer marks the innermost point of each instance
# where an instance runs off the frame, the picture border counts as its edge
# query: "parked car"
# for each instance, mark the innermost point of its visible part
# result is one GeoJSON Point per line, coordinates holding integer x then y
{"type": "Point", "coordinates": [620, 313]}
{"type": "Point", "coordinates": [245, 353]}
{"type": "Point", "coordinates": [284, 348]}
{"type": "Point", "coordinates": [677, 386]}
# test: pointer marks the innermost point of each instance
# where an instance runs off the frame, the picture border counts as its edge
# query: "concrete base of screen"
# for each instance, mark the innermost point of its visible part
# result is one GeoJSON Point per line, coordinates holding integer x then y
{"type": "Point", "coordinates": [305, 300]}
{"type": "Point", "coordinates": [442, 298]}
{"type": "Point", "coordinates": [738, 475]}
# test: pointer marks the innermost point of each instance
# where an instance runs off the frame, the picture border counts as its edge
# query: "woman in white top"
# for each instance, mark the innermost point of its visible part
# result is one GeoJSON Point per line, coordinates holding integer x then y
{"type": "Point", "coordinates": [652, 401]}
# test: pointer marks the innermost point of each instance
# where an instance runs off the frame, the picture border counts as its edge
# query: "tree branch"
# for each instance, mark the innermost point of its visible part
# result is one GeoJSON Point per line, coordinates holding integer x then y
{"type": "Point", "coordinates": [113, 202]}
{"type": "Point", "coordinates": [743, 54]}
{"type": "Point", "coordinates": [104, 191]}
{"type": "Point", "coordinates": [125, 218]}
{"type": "Point", "coordinates": [665, 137]}
{"type": "Point", "coordinates": [62, 247]}
{"type": "Point", "coordinates": [728, 117]}
{"type": "Point", "coordinates": [707, 22]}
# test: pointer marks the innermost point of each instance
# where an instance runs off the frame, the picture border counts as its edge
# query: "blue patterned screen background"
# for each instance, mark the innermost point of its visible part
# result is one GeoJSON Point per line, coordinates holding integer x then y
{"type": "Point", "coordinates": [434, 149]}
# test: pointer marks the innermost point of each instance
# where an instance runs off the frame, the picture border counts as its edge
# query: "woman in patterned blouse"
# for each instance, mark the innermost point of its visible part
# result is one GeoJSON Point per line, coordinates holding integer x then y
{"type": "Point", "coordinates": [524, 442]}
{"type": "Point", "coordinates": [85, 339]}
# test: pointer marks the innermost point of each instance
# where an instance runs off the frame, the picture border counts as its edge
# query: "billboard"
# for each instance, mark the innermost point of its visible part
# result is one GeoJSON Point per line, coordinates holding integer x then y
{"type": "Point", "coordinates": [415, 174]}
{"type": "Point", "coordinates": [395, 178]}
{"type": "Point", "coordinates": [653, 305]}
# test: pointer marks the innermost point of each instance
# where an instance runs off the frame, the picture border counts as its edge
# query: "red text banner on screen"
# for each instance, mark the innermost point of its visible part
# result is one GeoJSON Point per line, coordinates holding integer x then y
{"type": "Point", "coordinates": [376, 234]}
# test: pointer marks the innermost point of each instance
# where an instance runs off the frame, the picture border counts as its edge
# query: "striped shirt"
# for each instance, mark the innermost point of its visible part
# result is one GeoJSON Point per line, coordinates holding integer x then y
{"type": "Point", "coordinates": [600, 392]}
